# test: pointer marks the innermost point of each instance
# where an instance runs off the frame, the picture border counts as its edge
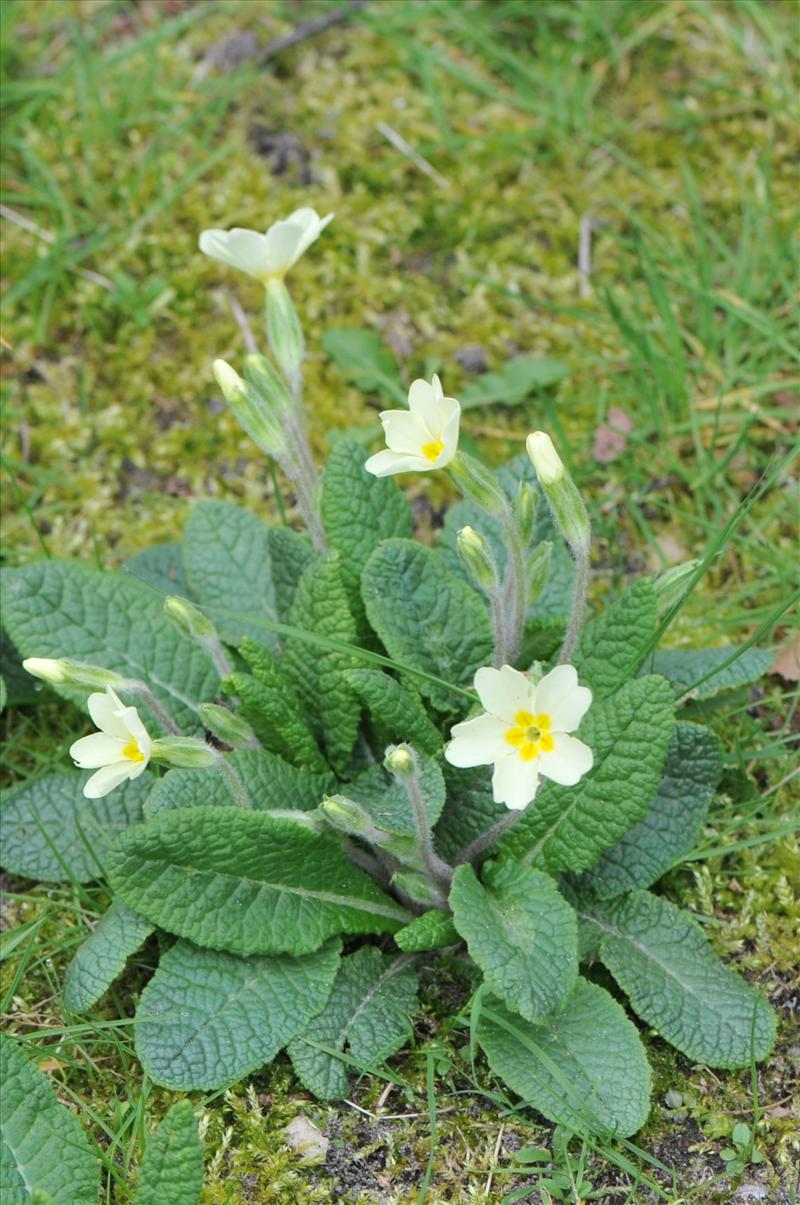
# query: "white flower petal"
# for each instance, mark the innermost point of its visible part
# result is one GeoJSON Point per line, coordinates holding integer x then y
{"type": "Point", "coordinates": [504, 691]}
{"type": "Point", "coordinates": [569, 760]}
{"type": "Point", "coordinates": [477, 742]}
{"type": "Point", "coordinates": [99, 749]}
{"type": "Point", "coordinates": [138, 731]}
{"type": "Point", "coordinates": [404, 432]}
{"type": "Point", "coordinates": [107, 778]}
{"type": "Point", "coordinates": [449, 434]}
{"type": "Point", "coordinates": [239, 248]}
{"type": "Point", "coordinates": [434, 411]}
{"type": "Point", "coordinates": [384, 464]}
{"type": "Point", "coordinates": [281, 242]}
{"type": "Point", "coordinates": [559, 696]}
{"type": "Point", "coordinates": [312, 226]}
{"type": "Point", "coordinates": [515, 782]}
{"type": "Point", "coordinates": [104, 708]}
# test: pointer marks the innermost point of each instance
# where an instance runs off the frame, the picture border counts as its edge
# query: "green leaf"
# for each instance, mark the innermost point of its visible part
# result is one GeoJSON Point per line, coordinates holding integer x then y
{"type": "Point", "coordinates": [43, 1147]}
{"type": "Point", "coordinates": [364, 360]}
{"type": "Point", "coordinates": [359, 511]}
{"type": "Point", "coordinates": [469, 811]}
{"type": "Point", "coordinates": [269, 704]}
{"type": "Point", "coordinates": [246, 882]}
{"type": "Point", "coordinates": [160, 567]}
{"type": "Point", "coordinates": [387, 800]}
{"type": "Point", "coordinates": [515, 382]}
{"type": "Point", "coordinates": [102, 956]}
{"type": "Point", "coordinates": [673, 821]}
{"type": "Point", "coordinates": [366, 1017]}
{"type": "Point", "coordinates": [430, 931]}
{"type": "Point", "coordinates": [676, 983]}
{"type": "Point", "coordinates": [569, 827]}
{"type": "Point", "coordinates": [522, 934]}
{"type": "Point", "coordinates": [291, 555]}
{"type": "Point", "coordinates": [226, 553]}
{"type": "Point", "coordinates": [331, 705]}
{"type": "Point", "coordinates": [172, 1167]}
{"type": "Point", "coordinates": [65, 609]}
{"type": "Point", "coordinates": [50, 832]}
{"type": "Point", "coordinates": [585, 1068]}
{"type": "Point", "coordinates": [683, 667]}
{"type": "Point", "coordinates": [613, 646]}
{"type": "Point", "coordinates": [269, 783]}
{"type": "Point", "coordinates": [207, 1019]}
{"type": "Point", "coordinates": [398, 714]}
{"type": "Point", "coordinates": [426, 616]}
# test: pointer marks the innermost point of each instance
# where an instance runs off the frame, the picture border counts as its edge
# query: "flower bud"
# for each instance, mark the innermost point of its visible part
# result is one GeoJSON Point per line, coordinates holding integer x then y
{"type": "Point", "coordinates": [536, 570]}
{"type": "Point", "coordinates": [189, 620]}
{"type": "Point", "coordinates": [249, 410]}
{"type": "Point", "coordinates": [184, 752]}
{"type": "Point", "coordinates": [66, 672]}
{"type": "Point", "coordinates": [227, 726]}
{"type": "Point", "coordinates": [347, 816]}
{"type": "Point", "coordinates": [265, 383]}
{"type": "Point", "coordinates": [562, 493]}
{"type": "Point", "coordinates": [477, 557]}
{"type": "Point", "coordinates": [400, 760]}
{"type": "Point", "coordinates": [284, 331]}
{"type": "Point", "coordinates": [477, 483]}
{"type": "Point", "coordinates": [525, 507]}
{"type": "Point", "coordinates": [668, 586]}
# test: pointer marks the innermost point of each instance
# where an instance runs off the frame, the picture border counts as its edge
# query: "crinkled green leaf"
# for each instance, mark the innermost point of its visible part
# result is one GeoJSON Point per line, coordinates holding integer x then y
{"type": "Point", "coordinates": [207, 1018]}
{"type": "Point", "coordinates": [161, 567]}
{"type": "Point", "coordinates": [673, 821]}
{"type": "Point", "coordinates": [584, 1068]}
{"type": "Point", "coordinates": [226, 554]}
{"type": "Point", "coordinates": [269, 704]}
{"type": "Point", "coordinates": [103, 955]}
{"type": "Point", "coordinates": [50, 832]}
{"type": "Point", "coordinates": [567, 828]}
{"type": "Point", "coordinates": [613, 646]}
{"type": "Point", "coordinates": [675, 982]}
{"type": "Point", "coordinates": [246, 882]}
{"type": "Point", "coordinates": [172, 1166]}
{"type": "Point", "coordinates": [430, 931]}
{"type": "Point", "coordinates": [358, 511]}
{"type": "Point", "coordinates": [522, 934]}
{"type": "Point", "coordinates": [331, 705]}
{"type": "Point", "coordinates": [269, 782]}
{"type": "Point", "coordinates": [427, 617]}
{"type": "Point", "coordinates": [398, 714]}
{"type": "Point", "coordinates": [387, 801]}
{"type": "Point", "coordinates": [366, 1018]}
{"type": "Point", "coordinates": [683, 667]}
{"type": "Point", "coordinates": [291, 554]}
{"type": "Point", "coordinates": [66, 609]}
{"type": "Point", "coordinates": [42, 1145]}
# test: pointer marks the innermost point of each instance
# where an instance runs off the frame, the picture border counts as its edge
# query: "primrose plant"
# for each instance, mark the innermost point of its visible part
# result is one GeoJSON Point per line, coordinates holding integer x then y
{"type": "Point", "coordinates": [323, 756]}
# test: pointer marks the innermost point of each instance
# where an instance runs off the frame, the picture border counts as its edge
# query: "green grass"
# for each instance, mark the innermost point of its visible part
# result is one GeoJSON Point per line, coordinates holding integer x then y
{"type": "Point", "coordinates": [672, 126]}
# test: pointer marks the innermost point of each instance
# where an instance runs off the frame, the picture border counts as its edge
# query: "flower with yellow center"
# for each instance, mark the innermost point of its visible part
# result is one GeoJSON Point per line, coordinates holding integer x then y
{"type": "Point", "coordinates": [266, 256]}
{"type": "Point", "coordinates": [119, 751]}
{"type": "Point", "coordinates": [525, 732]}
{"type": "Point", "coordinates": [423, 437]}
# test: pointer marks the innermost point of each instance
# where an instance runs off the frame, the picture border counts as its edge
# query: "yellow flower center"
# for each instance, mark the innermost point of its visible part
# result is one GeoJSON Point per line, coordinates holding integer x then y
{"type": "Point", "coordinates": [433, 450]}
{"type": "Point", "coordinates": [530, 735]}
{"type": "Point", "coordinates": [132, 751]}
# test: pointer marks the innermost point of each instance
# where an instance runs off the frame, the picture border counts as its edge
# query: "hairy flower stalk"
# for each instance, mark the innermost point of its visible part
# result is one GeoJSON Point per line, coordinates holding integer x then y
{"type": "Point", "coordinates": [402, 763]}
{"type": "Point", "coordinates": [572, 521]}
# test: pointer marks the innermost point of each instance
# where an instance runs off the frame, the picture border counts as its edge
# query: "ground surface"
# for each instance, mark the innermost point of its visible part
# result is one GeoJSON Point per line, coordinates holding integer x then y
{"type": "Point", "coordinates": [667, 132]}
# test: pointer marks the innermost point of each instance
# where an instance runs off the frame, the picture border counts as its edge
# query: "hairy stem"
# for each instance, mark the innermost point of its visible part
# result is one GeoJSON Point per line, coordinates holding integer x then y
{"type": "Point", "coordinates": [581, 555]}
{"type": "Point", "coordinates": [235, 783]}
{"type": "Point", "coordinates": [137, 687]}
{"type": "Point", "coordinates": [438, 872]}
{"type": "Point", "coordinates": [488, 838]}
{"type": "Point", "coordinates": [514, 590]}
